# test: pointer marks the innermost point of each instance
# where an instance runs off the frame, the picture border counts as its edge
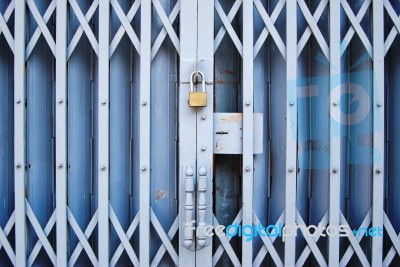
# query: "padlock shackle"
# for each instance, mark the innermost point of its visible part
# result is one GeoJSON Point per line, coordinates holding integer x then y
{"type": "Point", "coordinates": [203, 80]}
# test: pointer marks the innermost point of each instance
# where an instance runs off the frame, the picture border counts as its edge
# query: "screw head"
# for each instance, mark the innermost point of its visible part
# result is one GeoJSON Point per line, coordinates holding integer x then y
{"type": "Point", "coordinates": [247, 103]}
{"type": "Point", "coordinates": [103, 168]}
{"type": "Point", "coordinates": [334, 170]}
{"type": "Point", "coordinates": [104, 102]}
{"type": "Point", "coordinates": [18, 101]}
{"type": "Point", "coordinates": [379, 104]}
{"type": "Point", "coordinates": [247, 169]}
{"type": "Point", "coordinates": [291, 104]}
{"type": "Point", "coordinates": [144, 103]}
{"type": "Point", "coordinates": [203, 117]}
{"type": "Point", "coordinates": [60, 166]}
{"type": "Point", "coordinates": [18, 166]}
{"type": "Point", "coordinates": [144, 169]}
{"type": "Point", "coordinates": [290, 170]}
{"type": "Point", "coordinates": [378, 171]}
{"type": "Point", "coordinates": [60, 101]}
{"type": "Point", "coordinates": [203, 148]}
{"type": "Point", "coordinates": [334, 104]}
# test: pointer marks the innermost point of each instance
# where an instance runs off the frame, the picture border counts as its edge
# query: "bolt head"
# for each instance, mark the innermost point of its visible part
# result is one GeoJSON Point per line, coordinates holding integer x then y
{"type": "Point", "coordinates": [247, 169]}
{"type": "Point", "coordinates": [291, 104]}
{"type": "Point", "coordinates": [144, 103]}
{"type": "Point", "coordinates": [203, 148]}
{"type": "Point", "coordinates": [247, 103]}
{"type": "Point", "coordinates": [379, 104]}
{"type": "Point", "coordinates": [144, 169]}
{"type": "Point", "coordinates": [290, 170]}
{"type": "Point", "coordinates": [203, 117]}
{"type": "Point", "coordinates": [18, 166]}
{"type": "Point", "coordinates": [60, 101]}
{"type": "Point", "coordinates": [104, 102]}
{"type": "Point", "coordinates": [60, 166]}
{"type": "Point", "coordinates": [18, 101]}
{"type": "Point", "coordinates": [334, 170]}
{"type": "Point", "coordinates": [378, 171]}
{"type": "Point", "coordinates": [334, 104]}
{"type": "Point", "coordinates": [103, 168]}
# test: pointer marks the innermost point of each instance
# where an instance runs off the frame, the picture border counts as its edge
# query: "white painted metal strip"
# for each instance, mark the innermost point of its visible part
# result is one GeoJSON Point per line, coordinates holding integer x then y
{"type": "Point", "coordinates": [334, 126]}
{"type": "Point", "coordinates": [144, 133]}
{"type": "Point", "coordinates": [19, 133]}
{"type": "Point", "coordinates": [291, 128]}
{"type": "Point", "coordinates": [378, 104]}
{"type": "Point", "coordinates": [187, 117]}
{"type": "Point", "coordinates": [248, 126]}
{"type": "Point", "coordinates": [61, 132]}
{"type": "Point", "coordinates": [103, 132]}
{"type": "Point", "coordinates": [205, 122]}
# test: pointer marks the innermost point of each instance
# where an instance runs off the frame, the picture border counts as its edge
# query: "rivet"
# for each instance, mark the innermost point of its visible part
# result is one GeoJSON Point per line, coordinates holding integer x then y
{"type": "Point", "coordinates": [103, 168]}
{"type": "Point", "coordinates": [60, 166]}
{"type": "Point", "coordinates": [379, 104]}
{"type": "Point", "coordinates": [144, 169]}
{"type": "Point", "coordinates": [247, 169]}
{"type": "Point", "coordinates": [203, 117]}
{"type": "Point", "coordinates": [334, 104]}
{"type": "Point", "coordinates": [144, 103]}
{"type": "Point", "coordinates": [103, 102]}
{"type": "Point", "coordinates": [18, 166]}
{"type": "Point", "coordinates": [334, 170]}
{"type": "Point", "coordinates": [247, 103]}
{"type": "Point", "coordinates": [291, 104]}
{"type": "Point", "coordinates": [290, 170]}
{"type": "Point", "coordinates": [60, 101]}
{"type": "Point", "coordinates": [18, 101]}
{"type": "Point", "coordinates": [378, 171]}
{"type": "Point", "coordinates": [203, 148]}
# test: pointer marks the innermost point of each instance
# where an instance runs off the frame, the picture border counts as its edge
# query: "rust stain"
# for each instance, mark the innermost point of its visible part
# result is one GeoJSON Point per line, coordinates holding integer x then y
{"type": "Point", "coordinates": [161, 194]}
{"type": "Point", "coordinates": [233, 117]}
{"type": "Point", "coordinates": [230, 72]}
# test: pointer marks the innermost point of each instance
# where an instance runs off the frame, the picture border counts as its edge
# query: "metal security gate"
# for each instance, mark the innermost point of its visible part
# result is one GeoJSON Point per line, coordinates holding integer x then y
{"type": "Point", "coordinates": [104, 163]}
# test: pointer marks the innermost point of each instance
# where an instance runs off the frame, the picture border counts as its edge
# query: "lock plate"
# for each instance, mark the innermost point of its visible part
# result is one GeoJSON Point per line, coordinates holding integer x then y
{"type": "Point", "coordinates": [197, 99]}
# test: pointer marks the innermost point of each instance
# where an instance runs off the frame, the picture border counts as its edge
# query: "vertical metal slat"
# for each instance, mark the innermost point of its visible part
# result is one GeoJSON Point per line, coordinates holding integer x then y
{"type": "Point", "coordinates": [103, 132]}
{"type": "Point", "coordinates": [61, 132]}
{"type": "Point", "coordinates": [291, 129]}
{"type": "Point", "coordinates": [19, 133]}
{"type": "Point", "coordinates": [144, 133]}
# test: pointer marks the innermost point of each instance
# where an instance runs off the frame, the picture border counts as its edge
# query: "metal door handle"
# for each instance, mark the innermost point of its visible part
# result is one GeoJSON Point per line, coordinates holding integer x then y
{"type": "Point", "coordinates": [189, 206]}
{"type": "Point", "coordinates": [202, 205]}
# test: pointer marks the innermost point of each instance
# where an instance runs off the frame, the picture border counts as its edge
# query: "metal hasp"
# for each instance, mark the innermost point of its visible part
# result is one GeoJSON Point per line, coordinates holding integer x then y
{"type": "Point", "coordinates": [228, 133]}
{"type": "Point", "coordinates": [197, 99]}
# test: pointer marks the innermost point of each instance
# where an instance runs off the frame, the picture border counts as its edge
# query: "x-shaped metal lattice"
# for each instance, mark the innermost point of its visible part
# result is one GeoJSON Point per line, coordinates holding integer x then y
{"type": "Point", "coordinates": [395, 238]}
{"type": "Point", "coordinates": [269, 28]}
{"type": "Point", "coordinates": [3, 25]}
{"type": "Point", "coordinates": [167, 29]}
{"type": "Point", "coordinates": [124, 237]}
{"type": "Point", "coordinates": [4, 240]}
{"type": "Point", "coordinates": [395, 29]}
{"type": "Point", "coordinates": [42, 27]}
{"type": "Point", "coordinates": [226, 21]}
{"type": "Point", "coordinates": [83, 27]}
{"type": "Point", "coordinates": [42, 235]}
{"type": "Point", "coordinates": [225, 246]}
{"type": "Point", "coordinates": [268, 246]}
{"type": "Point", "coordinates": [312, 27]}
{"type": "Point", "coordinates": [355, 26]}
{"type": "Point", "coordinates": [83, 238]}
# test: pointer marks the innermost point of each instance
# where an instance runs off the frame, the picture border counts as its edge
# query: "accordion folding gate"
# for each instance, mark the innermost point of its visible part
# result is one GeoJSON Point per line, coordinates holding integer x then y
{"type": "Point", "coordinates": [104, 163]}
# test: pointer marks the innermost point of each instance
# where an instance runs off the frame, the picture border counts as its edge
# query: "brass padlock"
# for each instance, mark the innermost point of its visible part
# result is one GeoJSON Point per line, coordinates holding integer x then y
{"type": "Point", "coordinates": [197, 99]}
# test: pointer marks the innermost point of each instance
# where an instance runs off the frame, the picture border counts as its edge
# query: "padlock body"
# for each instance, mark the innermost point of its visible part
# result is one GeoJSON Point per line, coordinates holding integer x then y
{"type": "Point", "coordinates": [197, 99]}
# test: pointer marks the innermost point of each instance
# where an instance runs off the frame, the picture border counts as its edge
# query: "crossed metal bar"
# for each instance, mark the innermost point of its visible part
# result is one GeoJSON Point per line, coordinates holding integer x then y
{"type": "Point", "coordinates": [3, 25]}
{"type": "Point", "coordinates": [3, 238]}
{"type": "Point", "coordinates": [395, 29]}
